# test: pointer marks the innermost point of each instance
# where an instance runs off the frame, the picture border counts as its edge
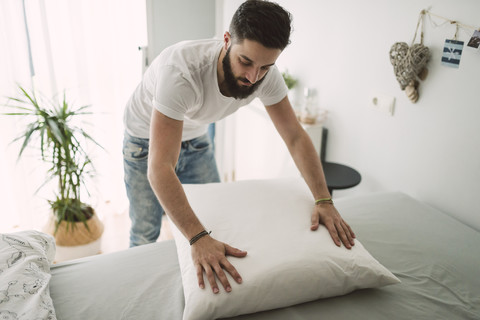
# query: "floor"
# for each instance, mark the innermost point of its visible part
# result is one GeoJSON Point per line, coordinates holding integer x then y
{"type": "Point", "coordinates": [117, 228]}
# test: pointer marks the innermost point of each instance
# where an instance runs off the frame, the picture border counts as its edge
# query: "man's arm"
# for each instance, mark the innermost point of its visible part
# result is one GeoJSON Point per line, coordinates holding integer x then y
{"type": "Point", "coordinates": [208, 254]}
{"type": "Point", "coordinates": [308, 162]}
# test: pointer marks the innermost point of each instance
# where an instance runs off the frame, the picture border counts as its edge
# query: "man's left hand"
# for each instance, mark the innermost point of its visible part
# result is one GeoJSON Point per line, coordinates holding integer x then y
{"type": "Point", "coordinates": [339, 230]}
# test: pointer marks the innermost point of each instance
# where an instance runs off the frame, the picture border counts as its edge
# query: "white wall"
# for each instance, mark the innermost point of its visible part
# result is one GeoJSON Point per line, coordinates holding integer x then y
{"type": "Point", "coordinates": [429, 150]}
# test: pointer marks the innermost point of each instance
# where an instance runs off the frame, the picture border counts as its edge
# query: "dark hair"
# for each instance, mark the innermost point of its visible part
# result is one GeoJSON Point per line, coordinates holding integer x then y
{"type": "Point", "coordinates": [262, 21]}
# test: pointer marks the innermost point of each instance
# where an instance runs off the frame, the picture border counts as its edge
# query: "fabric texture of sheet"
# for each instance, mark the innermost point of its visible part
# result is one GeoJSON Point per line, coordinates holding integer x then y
{"type": "Point", "coordinates": [287, 263]}
{"type": "Point", "coordinates": [25, 259]}
{"type": "Point", "coordinates": [138, 283]}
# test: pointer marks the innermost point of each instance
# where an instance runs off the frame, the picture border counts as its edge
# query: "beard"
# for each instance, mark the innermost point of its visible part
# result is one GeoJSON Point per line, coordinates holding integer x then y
{"type": "Point", "coordinates": [234, 89]}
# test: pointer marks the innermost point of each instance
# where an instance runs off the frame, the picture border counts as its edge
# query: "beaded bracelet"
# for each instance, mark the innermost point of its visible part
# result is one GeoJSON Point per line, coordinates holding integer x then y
{"type": "Point", "coordinates": [198, 236]}
{"type": "Point", "coordinates": [324, 200]}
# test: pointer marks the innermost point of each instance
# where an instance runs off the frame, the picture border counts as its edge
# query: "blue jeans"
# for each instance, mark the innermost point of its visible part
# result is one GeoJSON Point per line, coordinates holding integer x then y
{"type": "Point", "coordinates": [196, 164]}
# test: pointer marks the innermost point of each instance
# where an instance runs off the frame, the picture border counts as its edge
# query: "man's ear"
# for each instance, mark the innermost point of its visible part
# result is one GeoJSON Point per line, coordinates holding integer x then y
{"type": "Point", "coordinates": [227, 40]}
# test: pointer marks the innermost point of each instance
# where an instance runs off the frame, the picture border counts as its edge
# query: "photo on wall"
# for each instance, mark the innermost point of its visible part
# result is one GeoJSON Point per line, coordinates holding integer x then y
{"type": "Point", "coordinates": [474, 40]}
{"type": "Point", "coordinates": [452, 52]}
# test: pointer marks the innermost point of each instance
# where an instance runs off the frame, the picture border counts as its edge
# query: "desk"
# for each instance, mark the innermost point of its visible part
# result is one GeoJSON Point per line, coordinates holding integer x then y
{"type": "Point", "coordinates": [340, 176]}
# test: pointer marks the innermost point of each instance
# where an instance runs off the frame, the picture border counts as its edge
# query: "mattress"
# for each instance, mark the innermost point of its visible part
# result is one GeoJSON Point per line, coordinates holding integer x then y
{"type": "Point", "coordinates": [435, 256]}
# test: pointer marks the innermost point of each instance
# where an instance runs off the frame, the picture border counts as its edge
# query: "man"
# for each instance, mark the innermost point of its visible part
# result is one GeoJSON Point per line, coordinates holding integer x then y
{"type": "Point", "coordinates": [187, 87]}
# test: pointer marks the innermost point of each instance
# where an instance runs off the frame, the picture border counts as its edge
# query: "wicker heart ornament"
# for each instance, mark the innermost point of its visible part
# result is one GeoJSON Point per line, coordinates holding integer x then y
{"type": "Point", "coordinates": [409, 65]}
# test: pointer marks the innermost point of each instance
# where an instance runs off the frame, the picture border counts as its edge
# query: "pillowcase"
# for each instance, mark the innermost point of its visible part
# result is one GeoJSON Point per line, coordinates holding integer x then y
{"type": "Point", "coordinates": [25, 259]}
{"type": "Point", "coordinates": [286, 264]}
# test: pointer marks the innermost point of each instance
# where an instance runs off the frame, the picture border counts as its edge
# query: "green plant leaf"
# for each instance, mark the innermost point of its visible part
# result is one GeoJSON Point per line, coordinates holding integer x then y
{"type": "Point", "coordinates": [61, 145]}
{"type": "Point", "coordinates": [290, 81]}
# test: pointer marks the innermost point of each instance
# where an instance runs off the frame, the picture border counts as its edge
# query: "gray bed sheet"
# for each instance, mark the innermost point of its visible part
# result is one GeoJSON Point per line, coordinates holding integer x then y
{"type": "Point", "coordinates": [436, 257]}
{"type": "Point", "coordinates": [138, 283]}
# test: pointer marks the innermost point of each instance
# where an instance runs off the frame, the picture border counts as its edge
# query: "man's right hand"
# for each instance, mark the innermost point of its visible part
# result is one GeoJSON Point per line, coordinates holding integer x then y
{"type": "Point", "coordinates": [209, 255]}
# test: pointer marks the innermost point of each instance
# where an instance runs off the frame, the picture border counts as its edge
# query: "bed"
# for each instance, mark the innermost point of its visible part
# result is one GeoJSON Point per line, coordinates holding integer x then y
{"type": "Point", "coordinates": [436, 258]}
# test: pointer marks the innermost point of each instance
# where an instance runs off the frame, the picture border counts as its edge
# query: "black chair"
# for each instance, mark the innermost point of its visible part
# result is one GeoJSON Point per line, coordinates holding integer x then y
{"type": "Point", "coordinates": [338, 176]}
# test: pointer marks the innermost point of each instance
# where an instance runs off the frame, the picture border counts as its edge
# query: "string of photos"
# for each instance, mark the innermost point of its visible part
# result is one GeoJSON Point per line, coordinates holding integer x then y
{"type": "Point", "coordinates": [410, 62]}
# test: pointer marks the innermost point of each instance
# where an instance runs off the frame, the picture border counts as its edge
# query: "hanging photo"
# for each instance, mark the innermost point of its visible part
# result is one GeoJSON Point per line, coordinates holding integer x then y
{"type": "Point", "coordinates": [452, 51]}
{"type": "Point", "coordinates": [475, 40]}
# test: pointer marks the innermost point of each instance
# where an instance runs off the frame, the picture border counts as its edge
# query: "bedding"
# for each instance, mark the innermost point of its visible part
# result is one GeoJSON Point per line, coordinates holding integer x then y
{"type": "Point", "coordinates": [139, 283]}
{"type": "Point", "coordinates": [435, 256]}
{"type": "Point", "coordinates": [25, 259]}
{"type": "Point", "coordinates": [287, 263]}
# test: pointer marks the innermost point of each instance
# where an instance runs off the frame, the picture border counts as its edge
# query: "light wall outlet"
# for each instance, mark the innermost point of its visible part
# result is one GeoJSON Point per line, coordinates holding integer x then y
{"type": "Point", "coordinates": [382, 103]}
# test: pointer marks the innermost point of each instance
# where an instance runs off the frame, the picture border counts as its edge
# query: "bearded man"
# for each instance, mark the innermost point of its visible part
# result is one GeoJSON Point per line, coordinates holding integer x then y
{"type": "Point", "coordinates": [189, 86]}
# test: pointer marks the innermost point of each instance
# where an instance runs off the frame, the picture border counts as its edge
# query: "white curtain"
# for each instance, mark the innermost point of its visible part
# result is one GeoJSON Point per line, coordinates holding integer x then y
{"type": "Point", "coordinates": [88, 48]}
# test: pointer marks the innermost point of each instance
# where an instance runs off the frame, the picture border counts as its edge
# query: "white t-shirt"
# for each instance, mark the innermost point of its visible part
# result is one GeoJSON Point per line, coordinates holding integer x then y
{"type": "Point", "coordinates": [182, 84]}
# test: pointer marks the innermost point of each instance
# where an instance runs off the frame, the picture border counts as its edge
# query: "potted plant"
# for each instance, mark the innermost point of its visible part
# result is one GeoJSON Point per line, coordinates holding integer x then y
{"type": "Point", "coordinates": [291, 83]}
{"type": "Point", "coordinates": [61, 144]}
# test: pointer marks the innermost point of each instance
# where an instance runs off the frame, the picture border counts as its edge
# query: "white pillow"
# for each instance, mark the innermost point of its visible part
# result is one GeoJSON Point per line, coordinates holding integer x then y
{"type": "Point", "coordinates": [286, 263]}
{"type": "Point", "coordinates": [25, 259]}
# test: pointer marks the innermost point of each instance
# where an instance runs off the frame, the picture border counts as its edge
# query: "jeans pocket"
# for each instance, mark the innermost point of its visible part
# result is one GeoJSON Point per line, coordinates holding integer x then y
{"type": "Point", "coordinates": [135, 149]}
{"type": "Point", "coordinates": [201, 143]}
